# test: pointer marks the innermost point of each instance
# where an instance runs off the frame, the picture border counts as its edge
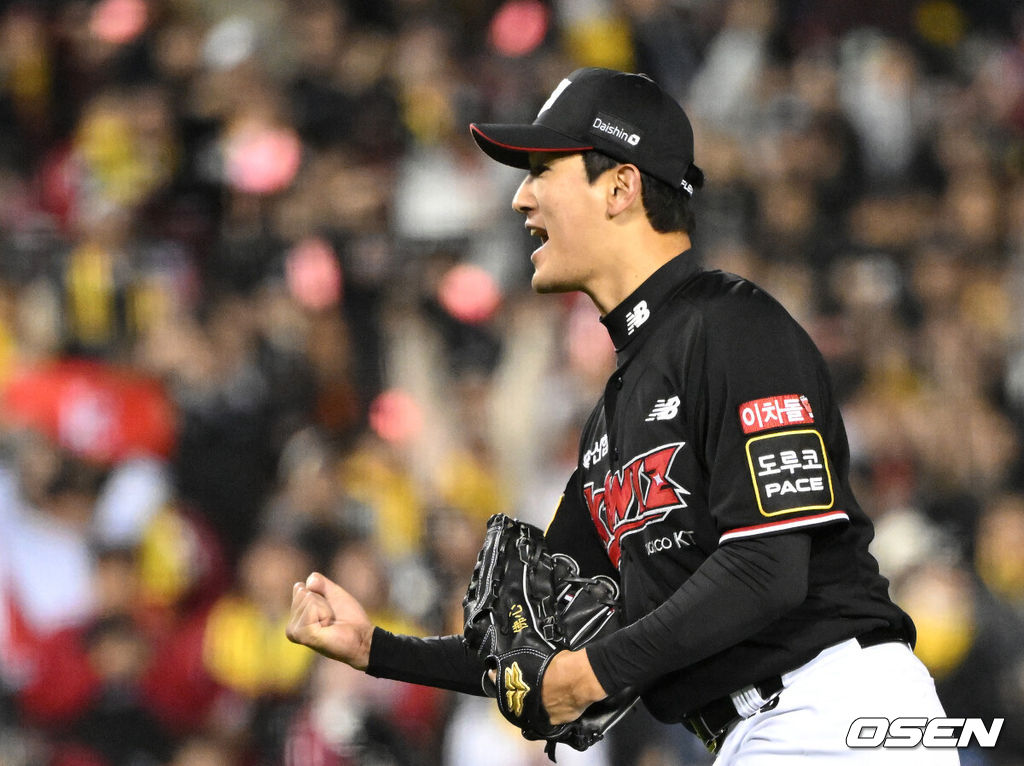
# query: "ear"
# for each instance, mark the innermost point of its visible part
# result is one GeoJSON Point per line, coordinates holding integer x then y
{"type": "Point", "coordinates": [624, 189]}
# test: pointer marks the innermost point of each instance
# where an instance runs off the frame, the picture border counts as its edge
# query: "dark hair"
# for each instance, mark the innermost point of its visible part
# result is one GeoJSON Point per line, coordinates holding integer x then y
{"type": "Point", "coordinates": [668, 210]}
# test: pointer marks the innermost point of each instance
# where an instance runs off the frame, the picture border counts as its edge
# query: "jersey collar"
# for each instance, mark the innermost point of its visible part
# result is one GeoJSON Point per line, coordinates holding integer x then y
{"type": "Point", "coordinates": [630, 318]}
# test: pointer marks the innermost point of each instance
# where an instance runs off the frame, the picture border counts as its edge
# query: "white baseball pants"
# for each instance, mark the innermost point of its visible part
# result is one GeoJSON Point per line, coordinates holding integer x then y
{"type": "Point", "coordinates": [822, 698]}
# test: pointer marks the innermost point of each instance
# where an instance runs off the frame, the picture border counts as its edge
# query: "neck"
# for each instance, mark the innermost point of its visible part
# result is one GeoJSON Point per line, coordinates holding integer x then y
{"type": "Point", "coordinates": [630, 264]}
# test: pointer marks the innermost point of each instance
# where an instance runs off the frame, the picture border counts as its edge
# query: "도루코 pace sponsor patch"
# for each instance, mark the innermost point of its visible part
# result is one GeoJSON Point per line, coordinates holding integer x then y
{"type": "Point", "coordinates": [790, 472]}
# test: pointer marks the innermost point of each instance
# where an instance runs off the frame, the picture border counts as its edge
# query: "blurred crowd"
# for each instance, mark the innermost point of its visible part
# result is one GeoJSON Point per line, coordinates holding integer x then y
{"type": "Point", "coordinates": [265, 308]}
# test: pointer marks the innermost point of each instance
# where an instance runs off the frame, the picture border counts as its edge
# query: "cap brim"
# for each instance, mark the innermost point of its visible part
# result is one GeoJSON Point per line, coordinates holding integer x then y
{"type": "Point", "coordinates": [512, 144]}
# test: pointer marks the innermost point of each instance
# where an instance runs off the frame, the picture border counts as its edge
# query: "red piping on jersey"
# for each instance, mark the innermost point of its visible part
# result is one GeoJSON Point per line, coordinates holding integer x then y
{"type": "Point", "coordinates": [530, 148]}
{"type": "Point", "coordinates": [820, 518]}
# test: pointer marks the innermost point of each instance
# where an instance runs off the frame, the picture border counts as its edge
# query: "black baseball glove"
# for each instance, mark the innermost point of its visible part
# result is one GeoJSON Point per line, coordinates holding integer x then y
{"type": "Point", "coordinates": [525, 604]}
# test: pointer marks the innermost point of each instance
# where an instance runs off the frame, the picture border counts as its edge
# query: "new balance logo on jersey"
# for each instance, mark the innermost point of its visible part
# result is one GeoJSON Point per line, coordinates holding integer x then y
{"type": "Point", "coordinates": [637, 317]}
{"type": "Point", "coordinates": [664, 409]}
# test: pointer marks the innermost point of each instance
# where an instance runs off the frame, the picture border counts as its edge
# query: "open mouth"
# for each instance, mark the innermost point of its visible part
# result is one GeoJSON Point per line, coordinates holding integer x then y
{"type": "Point", "coordinates": [541, 234]}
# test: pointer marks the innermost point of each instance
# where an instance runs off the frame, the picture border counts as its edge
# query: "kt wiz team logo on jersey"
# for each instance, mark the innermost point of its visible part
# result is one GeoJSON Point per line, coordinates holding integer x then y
{"type": "Point", "coordinates": [638, 494]}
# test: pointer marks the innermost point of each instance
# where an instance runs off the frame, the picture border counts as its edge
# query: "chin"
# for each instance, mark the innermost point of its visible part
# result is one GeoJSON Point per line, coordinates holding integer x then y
{"type": "Point", "coordinates": [538, 282]}
{"type": "Point", "coordinates": [544, 286]}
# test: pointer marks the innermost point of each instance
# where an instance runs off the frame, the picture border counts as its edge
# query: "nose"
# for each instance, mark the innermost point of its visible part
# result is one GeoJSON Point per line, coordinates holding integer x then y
{"type": "Point", "coordinates": [523, 201]}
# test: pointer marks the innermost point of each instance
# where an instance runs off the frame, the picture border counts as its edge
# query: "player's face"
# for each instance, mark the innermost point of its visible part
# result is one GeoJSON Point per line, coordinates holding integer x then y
{"type": "Point", "coordinates": [561, 208]}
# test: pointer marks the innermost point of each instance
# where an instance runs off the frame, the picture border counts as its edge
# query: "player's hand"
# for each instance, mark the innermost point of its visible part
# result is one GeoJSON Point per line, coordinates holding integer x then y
{"type": "Point", "coordinates": [569, 686]}
{"type": "Point", "coordinates": [325, 617]}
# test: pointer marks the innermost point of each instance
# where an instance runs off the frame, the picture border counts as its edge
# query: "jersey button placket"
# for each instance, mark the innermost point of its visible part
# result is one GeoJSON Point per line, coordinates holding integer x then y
{"type": "Point", "coordinates": [611, 397]}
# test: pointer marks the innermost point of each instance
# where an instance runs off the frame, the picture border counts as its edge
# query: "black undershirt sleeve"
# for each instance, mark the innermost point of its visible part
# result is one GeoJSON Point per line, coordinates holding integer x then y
{"type": "Point", "coordinates": [440, 661]}
{"type": "Point", "coordinates": [444, 661]}
{"type": "Point", "coordinates": [738, 590]}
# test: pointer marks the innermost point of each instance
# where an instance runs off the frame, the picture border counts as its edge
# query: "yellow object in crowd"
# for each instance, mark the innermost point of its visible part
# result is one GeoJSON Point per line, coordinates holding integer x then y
{"type": "Point", "coordinates": [248, 651]}
{"type": "Point", "coordinates": [604, 41]}
{"type": "Point", "coordinates": [166, 558]}
{"type": "Point", "coordinates": [91, 294]}
{"type": "Point", "coordinates": [942, 643]}
{"type": "Point", "coordinates": [369, 478]}
{"type": "Point", "coordinates": [468, 485]}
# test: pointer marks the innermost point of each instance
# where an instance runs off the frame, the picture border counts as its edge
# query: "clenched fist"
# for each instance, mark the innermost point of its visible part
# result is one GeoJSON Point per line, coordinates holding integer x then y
{"type": "Point", "coordinates": [325, 617]}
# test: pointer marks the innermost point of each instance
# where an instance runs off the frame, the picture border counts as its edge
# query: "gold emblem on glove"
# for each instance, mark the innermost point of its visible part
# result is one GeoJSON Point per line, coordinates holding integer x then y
{"type": "Point", "coordinates": [515, 689]}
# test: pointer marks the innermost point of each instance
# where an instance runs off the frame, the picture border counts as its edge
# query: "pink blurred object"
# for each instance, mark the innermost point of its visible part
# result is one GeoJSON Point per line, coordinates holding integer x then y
{"type": "Point", "coordinates": [519, 27]}
{"type": "Point", "coordinates": [95, 410]}
{"type": "Point", "coordinates": [262, 160]}
{"type": "Point", "coordinates": [469, 293]}
{"type": "Point", "coordinates": [313, 274]}
{"type": "Point", "coordinates": [396, 417]}
{"type": "Point", "coordinates": [587, 344]}
{"type": "Point", "coordinates": [118, 21]}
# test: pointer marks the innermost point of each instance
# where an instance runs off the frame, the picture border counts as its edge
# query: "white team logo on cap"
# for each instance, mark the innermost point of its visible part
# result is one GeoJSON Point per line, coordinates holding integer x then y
{"type": "Point", "coordinates": [565, 83]}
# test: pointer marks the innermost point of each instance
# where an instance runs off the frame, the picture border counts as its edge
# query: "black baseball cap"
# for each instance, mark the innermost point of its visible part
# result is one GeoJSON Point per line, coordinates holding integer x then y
{"type": "Point", "coordinates": [626, 116]}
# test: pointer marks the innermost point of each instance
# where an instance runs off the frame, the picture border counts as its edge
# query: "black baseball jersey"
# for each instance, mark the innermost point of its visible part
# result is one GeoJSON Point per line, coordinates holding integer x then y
{"type": "Point", "coordinates": [719, 426]}
{"type": "Point", "coordinates": [715, 465]}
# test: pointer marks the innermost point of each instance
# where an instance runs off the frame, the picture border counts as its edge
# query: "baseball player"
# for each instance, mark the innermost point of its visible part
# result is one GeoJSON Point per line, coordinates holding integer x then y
{"type": "Point", "coordinates": [713, 474]}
